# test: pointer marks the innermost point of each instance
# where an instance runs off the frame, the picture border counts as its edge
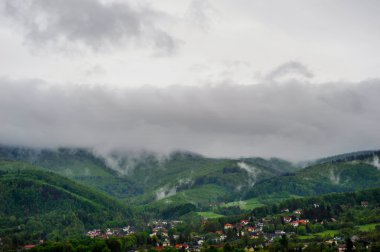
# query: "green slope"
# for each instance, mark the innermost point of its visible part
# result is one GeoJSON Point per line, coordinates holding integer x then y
{"type": "Point", "coordinates": [36, 204]}
{"type": "Point", "coordinates": [188, 178]}
{"type": "Point", "coordinates": [326, 177]}
{"type": "Point", "coordinates": [77, 164]}
{"type": "Point", "coordinates": [146, 178]}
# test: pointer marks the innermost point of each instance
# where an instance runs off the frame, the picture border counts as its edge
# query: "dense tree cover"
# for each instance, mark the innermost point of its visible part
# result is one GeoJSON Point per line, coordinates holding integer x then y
{"type": "Point", "coordinates": [320, 179]}
{"type": "Point", "coordinates": [134, 177]}
{"type": "Point", "coordinates": [37, 205]}
{"type": "Point", "coordinates": [80, 165]}
{"type": "Point", "coordinates": [360, 155]}
{"type": "Point", "coordinates": [327, 203]}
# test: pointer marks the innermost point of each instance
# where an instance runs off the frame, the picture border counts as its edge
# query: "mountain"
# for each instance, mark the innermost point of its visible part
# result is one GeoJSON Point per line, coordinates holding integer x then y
{"type": "Point", "coordinates": [146, 179]}
{"type": "Point", "coordinates": [36, 204]}
{"type": "Point", "coordinates": [80, 165]}
{"type": "Point", "coordinates": [343, 173]}
{"type": "Point", "coordinates": [184, 181]}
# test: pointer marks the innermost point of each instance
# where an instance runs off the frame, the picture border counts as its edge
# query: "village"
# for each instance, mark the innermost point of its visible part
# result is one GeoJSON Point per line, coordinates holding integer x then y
{"type": "Point", "coordinates": [252, 233]}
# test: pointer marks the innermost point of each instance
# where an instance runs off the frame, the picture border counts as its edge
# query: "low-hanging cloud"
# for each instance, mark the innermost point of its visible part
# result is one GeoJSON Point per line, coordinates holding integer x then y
{"type": "Point", "coordinates": [291, 120]}
{"type": "Point", "coordinates": [89, 23]}
{"type": "Point", "coordinates": [292, 68]}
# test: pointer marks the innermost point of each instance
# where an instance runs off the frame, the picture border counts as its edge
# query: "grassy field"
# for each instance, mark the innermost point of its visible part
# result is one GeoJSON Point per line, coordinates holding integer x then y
{"type": "Point", "coordinates": [245, 204]}
{"type": "Point", "coordinates": [324, 234]}
{"type": "Point", "coordinates": [368, 227]}
{"type": "Point", "coordinates": [210, 215]}
{"type": "Point", "coordinates": [251, 204]}
{"type": "Point", "coordinates": [202, 195]}
{"type": "Point", "coordinates": [332, 233]}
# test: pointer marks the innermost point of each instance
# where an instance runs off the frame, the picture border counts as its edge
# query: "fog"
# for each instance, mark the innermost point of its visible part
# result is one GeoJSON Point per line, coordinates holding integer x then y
{"type": "Point", "coordinates": [293, 119]}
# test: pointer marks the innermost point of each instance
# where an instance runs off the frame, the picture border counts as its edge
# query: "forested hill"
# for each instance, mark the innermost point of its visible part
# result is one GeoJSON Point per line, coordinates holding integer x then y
{"type": "Point", "coordinates": [36, 204]}
{"type": "Point", "coordinates": [358, 155]}
{"type": "Point", "coordinates": [146, 178]}
{"type": "Point", "coordinates": [328, 204]}
{"type": "Point", "coordinates": [80, 165]}
{"type": "Point", "coordinates": [343, 174]}
{"type": "Point", "coordinates": [183, 179]}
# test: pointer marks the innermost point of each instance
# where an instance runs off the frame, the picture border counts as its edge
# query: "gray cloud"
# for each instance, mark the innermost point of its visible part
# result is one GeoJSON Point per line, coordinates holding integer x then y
{"type": "Point", "coordinates": [199, 13]}
{"type": "Point", "coordinates": [89, 23]}
{"type": "Point", "coordinates": [291, 69]}
{"type": "Point", "coordinates": [290, 120]}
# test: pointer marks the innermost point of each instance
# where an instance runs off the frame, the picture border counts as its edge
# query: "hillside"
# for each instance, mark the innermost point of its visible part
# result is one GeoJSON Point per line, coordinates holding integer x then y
{"type": "Point", "coordinates": [183, 181]}
{"type": "Point", "coordinates": [180, 177]}
{"type": "Point", "coordinates": [36, 204]}
{"type": "Point", "coordinates": [77, 164]}
{"type": "Point", "coordinates": [341, 174]}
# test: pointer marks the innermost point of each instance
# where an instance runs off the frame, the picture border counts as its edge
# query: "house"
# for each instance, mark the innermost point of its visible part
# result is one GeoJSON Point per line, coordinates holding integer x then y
{"type": "Point", "coordinates": [294, 223]}
{"type": "Point", "coordinates": [279, 232]}
{"type": "Point", "coordinates": [244, 222]}
{"type": "Point", "coordinates": [287, 219]}
{"type": "Point", "coordinates": [29, 246]}
{"type": "Point", "coordinates": [364, 203]}
{"type": "Point", "coordinates": [330, 242]}
{"type": "Point", "coordinates": [297, 211]}
{"type": "Point", "coordinates": [299, 222]}
{"type": "Point", "coordinates": [286, 210]}
{"type": "Point", "coordinates": [251, 229]}
{"type": "Point", "coordinates": [219, 232]}
{"type": "Point", "coordinates": [153, 234]}
{"type": "Point", "coordinates": [94, 233]}
{"type": "Point", "coordinates": [179, 246]}
{"type": "Point", "coordinates": [342, 248]}
{"type": "Point", "coordinates": [109, 231]}
{"type": "Point", "coordinates": [228, 226]}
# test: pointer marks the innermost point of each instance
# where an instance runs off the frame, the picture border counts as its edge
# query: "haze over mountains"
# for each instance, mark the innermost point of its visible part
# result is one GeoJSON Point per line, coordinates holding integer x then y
{"type": "Point", "coordinates": [293, 120]}
{"type": "Point", "coordinates": [183, 177]}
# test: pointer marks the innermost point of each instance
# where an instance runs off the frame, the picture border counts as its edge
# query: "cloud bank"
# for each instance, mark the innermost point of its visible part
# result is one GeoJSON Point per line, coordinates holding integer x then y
{"type": "Point", "coordinates": [88, 24]}
{"type": "Point", "coordinates": [292, 120]}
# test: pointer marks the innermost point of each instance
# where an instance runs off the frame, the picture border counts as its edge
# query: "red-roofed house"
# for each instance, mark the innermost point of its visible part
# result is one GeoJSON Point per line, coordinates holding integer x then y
{"type": "Point", "coordinates": [228, 226]}
{"type": "Point", "coordinates": [294, 223]}
{"type": "Point", "coordinates": [29, 246]}
{"type": "Point", "coordinates": [179, 246]}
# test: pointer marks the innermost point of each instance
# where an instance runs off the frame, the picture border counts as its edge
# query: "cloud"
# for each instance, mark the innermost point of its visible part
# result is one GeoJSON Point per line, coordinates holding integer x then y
{"type": "Point", "coordinates": [292, 69]}
{"type": "Point", "coordinates": [252, 172]}
{"type": "Point", "coordinates": [200, 13]}
{"type": "Point", "coordinates": [292, 120]}
{"type": "Point", "coordinates": [89, 24]}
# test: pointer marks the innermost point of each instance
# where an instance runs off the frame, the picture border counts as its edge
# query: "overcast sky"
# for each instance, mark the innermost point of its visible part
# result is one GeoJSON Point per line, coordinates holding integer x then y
{"type": "Point", "coordinates": [294, 79]}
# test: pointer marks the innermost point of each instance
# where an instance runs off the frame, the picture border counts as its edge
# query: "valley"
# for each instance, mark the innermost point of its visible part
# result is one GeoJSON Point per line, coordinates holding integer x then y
{"type": "Point", "coordinates": [65, 193]}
